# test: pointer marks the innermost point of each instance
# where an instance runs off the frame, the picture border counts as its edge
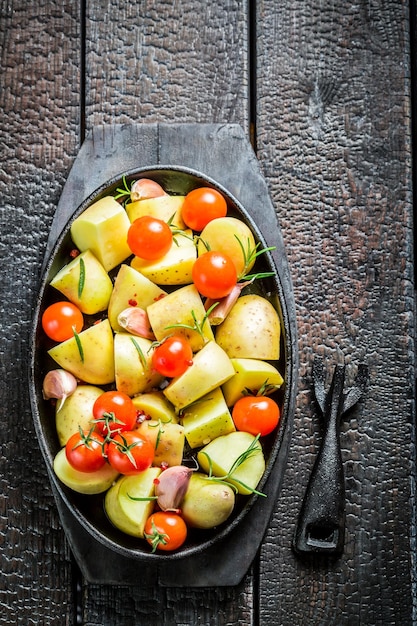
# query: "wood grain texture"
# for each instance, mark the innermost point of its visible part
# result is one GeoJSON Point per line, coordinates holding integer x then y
{"type": "Point", "coordinates": [334, 141]}
{"type": "Point", "coordinates": [39, 90]}
{"type": "Point", "coordinates": [166, 61]}
{"type": "Point", "coordinates": [171, 62]}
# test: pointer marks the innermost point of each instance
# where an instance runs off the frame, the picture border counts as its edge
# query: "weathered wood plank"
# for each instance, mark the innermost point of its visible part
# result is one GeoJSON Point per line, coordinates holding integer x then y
{"type": "Point", "coordinates": [172, 62]}
{"type": "Point", "coordinates": [334, 140]}
{"type": "Point", "coordinates": [167, 62]}
{"type": "Point", "coordinates": [39, 85]}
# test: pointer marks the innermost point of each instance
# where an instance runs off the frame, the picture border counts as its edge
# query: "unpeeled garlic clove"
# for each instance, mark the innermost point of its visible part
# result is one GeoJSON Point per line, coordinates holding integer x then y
{"type": "Point", "coordinates": [135, 320]}
{"type": "Point", "coordinates": [58, 384]}
{"type": "Point", "coordinates": [171, 487]}
{"type": "Point", "coordinates": [145, 188]}
{"type": "Point", "coordinates": [223, 305]}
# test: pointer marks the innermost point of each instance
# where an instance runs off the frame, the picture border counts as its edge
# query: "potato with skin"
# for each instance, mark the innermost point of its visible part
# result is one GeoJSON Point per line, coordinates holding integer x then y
{"type": "Point", "coordinates": [83, 482]}
{"type": "Point", "coordinates": [206, 503]}
{"type": "Point", "coordinates": [177, 309]}
{"type": "Point", "coordinates": [89, 356]}
{"type": "Point", "coordinates": [223, 234]}
{"type": "Point", "coordinates": [222, 453]}
{"type": "Point", "coordinates": [76, 412]}
{"type": "Point", "coordinates": [251, 330]}
{"type": "Point", "coordinates": [167, 439]}
{"type": "Point", "coordinates": [175, 267]}
{"type": "Point", "coordinates": [130, 515]}
{"type": "Point", "coordinates": [155, 406]}
{"type": "Point", "coordinates": [211, 367]}
{"type": "Point", "coordinates": [165, 208]}
{"type": "Point", "coordinates": [85, 282]}
{"type": "Point", "coordinates": [250, 374]}
{"type": "Point", "coordinates": [131, 288]}
{"type": "Point", "coordinates": [133, 364]}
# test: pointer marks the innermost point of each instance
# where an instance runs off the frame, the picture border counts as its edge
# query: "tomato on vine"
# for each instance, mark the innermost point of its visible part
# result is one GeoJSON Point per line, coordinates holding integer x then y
{"type": "Point", "coordinates": [149, 238]}
{"type": "Point", "coordinates": [201, 206]}
{"type": "Point", "coordinates": [256, 414]}
{"type": "Point", "coordinates": [214, 274]}
{"type": "Point", "coordinates": [84, 451]}
{"type": "Point", "coordinates": [60, 319]}
{"type": "Point", "coordinates": [172, 356]}
{"type": "Point", "coordinates": [129, 454]}
{"type": "Point", "coordinates": [114, 411]}
{"type": "Point", "coordinates": [165, 531]}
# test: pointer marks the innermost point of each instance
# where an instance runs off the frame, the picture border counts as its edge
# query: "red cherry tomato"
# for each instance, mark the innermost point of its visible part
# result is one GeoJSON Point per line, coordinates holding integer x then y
{"type": "Point", "coordinates": [165, 531]}
{"type": "Point", "coordinates": [172, 357]}
{"type": "Point", "coordinates": [60, 319]}
{"type": "Point", "coordinates": [114, 411]}
{"type": "Point", "coordinates": [201, 206]}
{"type": "Point", "coordinates": [256, 415]}
{"type": "Point", "coordinates": [149, 238]}
{"type": "Point", "coordinates": [214, 274]}
{"type": "Point", "coordinates": [84, 451]}
{"type": "Point", "coordinates": [129, 454]}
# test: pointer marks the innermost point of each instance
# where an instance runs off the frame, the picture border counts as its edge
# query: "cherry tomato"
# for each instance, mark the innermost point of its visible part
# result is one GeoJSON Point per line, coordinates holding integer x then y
{"type": "Point", "coordinates": [165, 531]}
{"type": "Point", "coordinates": [173, 356]}
{"type": "Point", "coordinates": [149, 238]}
{"type": "Point", "coordinates": [201, 206]}
{"type": "Point", "coordinates": [84, 451]}
{"type": "Point", "coordinates": [114, 411]}
{"type": "Point", "coordinates": [256, 414]}
{"type": "Point", "coordinates": [214, 274]}
{"type": "Point", "coordinates": [129, 454]}
{"type": "Point", "coordinates": [60, 319]}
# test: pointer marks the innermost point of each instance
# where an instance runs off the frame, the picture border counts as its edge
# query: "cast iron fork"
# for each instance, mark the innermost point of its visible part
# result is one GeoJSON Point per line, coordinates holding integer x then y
{"type": "Point", "coordinates": [321, 523]}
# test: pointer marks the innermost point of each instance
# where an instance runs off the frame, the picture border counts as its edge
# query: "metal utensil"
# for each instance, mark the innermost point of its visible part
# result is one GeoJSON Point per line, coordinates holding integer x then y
{"type": "Point", "coordinates": [321, 522]}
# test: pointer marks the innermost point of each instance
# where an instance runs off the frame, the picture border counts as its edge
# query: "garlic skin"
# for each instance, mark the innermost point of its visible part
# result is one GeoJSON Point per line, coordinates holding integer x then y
{"type": "Point", "coordinates": [145, 188]}
{"type": "Point", "coordinates": [58, 384]}
{"type": "Point", "coordinates": [135, 321]}
{"type": "Point", "coordinates": [221, 311]}
{"type": "Point", "coordinates": [171, 487]}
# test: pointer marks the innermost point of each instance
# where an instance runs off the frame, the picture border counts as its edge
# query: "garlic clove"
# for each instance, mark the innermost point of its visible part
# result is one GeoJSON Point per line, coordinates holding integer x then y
{"type": "Point", "coordinates": [135, 321]}
{"type": "Point", "coordinates": [145, 188]}
{"type": "Point", "coordinates": [221, 311]}
{"type": "Point", "coordinates": [58, 384]}
{"type": "Point", "coordinates": [171, 487]}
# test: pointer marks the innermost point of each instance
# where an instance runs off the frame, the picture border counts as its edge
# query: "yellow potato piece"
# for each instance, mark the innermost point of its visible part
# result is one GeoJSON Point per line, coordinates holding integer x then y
{"type": "Point", "coordinates": [251, 330]}
{"type": "Point", "coordinates": [163, 207]}
{"type": "Point", "coordinates": [175, 267]}
{"type": "Point", "coordinates": [96, 284]}
{"type": "Point", "coordinates": [89, 356]}
{"type": "Point", "coordinates": [103, 228]}
{"type": "Point", "coordinates": [211, 368]}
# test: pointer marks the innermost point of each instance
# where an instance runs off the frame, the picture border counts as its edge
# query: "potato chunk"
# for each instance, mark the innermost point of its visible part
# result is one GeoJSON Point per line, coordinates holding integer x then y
{"type": "Point", "coordinates": [251, 330]}
{"type": "Point", "coordinates": [207, 419]}
{"type": "Point", "coordinates": [102, 228]}
{"type": "Point", "coordinates": [85, 282]}
{"type": "Point", "coordinates": [89, 356]}
{"type": "Point", "coordinates": [211, 368]}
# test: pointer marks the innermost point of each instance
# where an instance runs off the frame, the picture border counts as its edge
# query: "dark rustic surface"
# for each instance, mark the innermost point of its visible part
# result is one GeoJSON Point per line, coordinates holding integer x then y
{"type": "Point", "coordinates": [324, 90]}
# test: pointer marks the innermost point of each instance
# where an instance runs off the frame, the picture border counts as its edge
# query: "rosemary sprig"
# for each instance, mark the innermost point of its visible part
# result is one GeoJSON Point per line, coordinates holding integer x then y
{"type": "Point", "coordinates": [124, 191]}
{"type": "Point", "coordinates": [244, 456]}
{"type": "Point", "coordinates": [250, 254]}
{"type": "Point", "coordinates": [142, 357]}
{"type": "Point", "coordinates": [198, 326]}
{"type": "Point", "coordinates": [265, 389]}
{"type": "Point", "coordinates": [79, 344]}
{"type": "Point", "coordinates": [81, 280]}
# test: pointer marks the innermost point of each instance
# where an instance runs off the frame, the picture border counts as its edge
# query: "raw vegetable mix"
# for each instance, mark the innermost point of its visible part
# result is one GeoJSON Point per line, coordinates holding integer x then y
{"type": "Point", "coordinates": [165, 360]}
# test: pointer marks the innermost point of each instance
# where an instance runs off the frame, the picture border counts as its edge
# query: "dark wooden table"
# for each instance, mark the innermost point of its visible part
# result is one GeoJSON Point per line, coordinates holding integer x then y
{"type": "Point", "coordinates": [324, 92]}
